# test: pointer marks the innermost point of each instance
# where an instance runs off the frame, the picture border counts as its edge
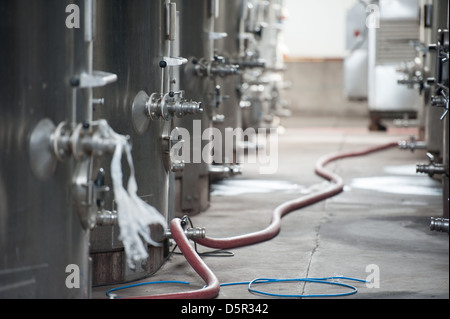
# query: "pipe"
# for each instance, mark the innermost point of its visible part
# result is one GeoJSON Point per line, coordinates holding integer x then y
{"type": "Point", "coordinates": [212, 283]}
{"type": "Point", "coordinates": [273, 229]}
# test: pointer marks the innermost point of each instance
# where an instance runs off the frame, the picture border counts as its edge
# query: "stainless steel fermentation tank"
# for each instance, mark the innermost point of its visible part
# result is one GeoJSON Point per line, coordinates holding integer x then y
{"type": "Point", "coordinates": [229, 109]}
{"type": "Point", "coordinates": [132, 39]}
{"type": "Point", "coordinates": [435, 85]}
{"type": "Point", "coordinates": [196, 21]}
{"type": "Point", "coordinates": [433, 124]}
{"type": "Point", "coordinates": [260, 47]}
{"type": "Point", "coordinates": [433, 18]}
{"type": "Point", "coordinates": [42, 239]}
{"type": "Point", "coordinates": [416, 74]}
{"type": "Point", "coordinates": [440, 93]}
{"type": "Point", "coordinates": [252, 89]}
{"type": "Point", "coordinates": [393, 26]}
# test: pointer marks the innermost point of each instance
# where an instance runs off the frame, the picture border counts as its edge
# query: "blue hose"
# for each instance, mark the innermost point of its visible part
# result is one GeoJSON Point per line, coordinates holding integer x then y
{"type": "Point", "coordinates": [250, 285]}
{"type": "Point", "coordinates": [326, 281]}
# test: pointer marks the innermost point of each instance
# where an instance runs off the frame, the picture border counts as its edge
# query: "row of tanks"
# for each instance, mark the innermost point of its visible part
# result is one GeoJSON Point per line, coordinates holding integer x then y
{"type": "Point", "coordinates": [398, 62]}
{"type": "Point", "coordinates": [98, 94]}
{"type": "Point", "coordinates": [427, 74]}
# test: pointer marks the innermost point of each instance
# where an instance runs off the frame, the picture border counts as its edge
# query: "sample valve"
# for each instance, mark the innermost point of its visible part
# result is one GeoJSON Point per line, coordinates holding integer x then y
{"type": "Point", "coordinates": [162, 105]}
{"type": "Point", "coordinates": [225, 171]}
{"type": "Point", "coordinates": [50, 144]}
{"type": "Point", "coordinates": [217, 67]}
{"type": "Point", "coordinates": [412, 144]}
{"type": "Point", "coordinates": [431, 169]}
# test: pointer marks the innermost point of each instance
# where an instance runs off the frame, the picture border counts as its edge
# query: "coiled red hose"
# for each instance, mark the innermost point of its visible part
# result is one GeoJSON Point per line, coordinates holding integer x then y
{"type": "Point", "coordinates": [274, 228]}
{"type": "Point", "coordinates": [212, 283]}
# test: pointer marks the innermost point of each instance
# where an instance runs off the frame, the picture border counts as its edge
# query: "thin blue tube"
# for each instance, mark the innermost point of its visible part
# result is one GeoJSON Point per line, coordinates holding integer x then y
{"type": "Point", "coordinates": [324, 280]}
{"type": "Point", "coordinates": [311, 280]}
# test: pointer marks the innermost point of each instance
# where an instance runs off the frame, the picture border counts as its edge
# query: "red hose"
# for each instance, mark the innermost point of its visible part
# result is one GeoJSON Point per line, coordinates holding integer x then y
{"type": "Point", "coordinates": [213, 286]}
{"type": "Point", "coordinates": [212, 283]}
{"type": "Point", "coordinates": [274, 228]}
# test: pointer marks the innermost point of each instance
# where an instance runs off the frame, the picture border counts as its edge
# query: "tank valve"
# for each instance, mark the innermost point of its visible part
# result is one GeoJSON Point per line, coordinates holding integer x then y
{"type": "Point", "coordinates": [107, 218]}
{"type": "Point", "coordinates": [252, 64]}
{"type": "Point", "coordinates": [166, 106]}
{"type": "Point", "coordinates": [170, 105]}
{"type": "Point", "coordinates": [439, 224]}
{"type": "Point", "coordinates": [50, 144]}
{"type": "Point", "coordinates": [224, 171]}
{"type": "Point", "coordinates": [216, 67]}
{"type": "Point", "coordinates": [412, 145]}
{"type": "Point", "coordinates": [431, 169]}
{"type": "Point", "coordinates": [172, 144]}
{"type": "Point", "coordinates": [438, 101]}
{"type": "Point", "coordinates": [218, 119]}
{"type": "Point", "coordinates": [441, 101]}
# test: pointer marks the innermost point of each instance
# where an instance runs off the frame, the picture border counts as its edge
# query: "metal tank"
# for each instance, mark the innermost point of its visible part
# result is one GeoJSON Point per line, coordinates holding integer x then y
{"type": "Point", "coordinates": [434, 126]}
{"type": "Point", "coordinates": [43, 241]}
{"type": "Point", "coordinates": [440, 96]}
{"type": "Point", "coordinates": [261, 90]}
{"type": "Point", "coordinates": [417, 74]}
{"type": "Point", "coordinates": [438, 124]}
{"type": "Point", "coordinates": [134, 39]}
{"type": "Point", "coordinates": [355, 62]}
{"type": "Point", "coordinates": [195, 43]}
{"type": "Point", "coordinates": [252, 88]}
{"type": "Point", "coordinates": [392, 27]}
{"type": "Point", "coordinates": [272, 54]}
{"type": "Point", "coordinates": [229, 113]}
{"type": "Point", "coordinates": [446, 162]}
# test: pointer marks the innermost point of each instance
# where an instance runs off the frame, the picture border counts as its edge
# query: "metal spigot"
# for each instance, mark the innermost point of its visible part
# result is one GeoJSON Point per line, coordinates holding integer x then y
{"type": "Point", "coordinates": [107, 218]}
{"type": "Point", "coordinates": [85, 140]}
{"type": "Point", "coordinates": [412, 144]}
{"type": "Point", "coordinates": [439, 224]}
{"type": "Point", "coordinates": [217, 67]}
{"type": "Point", "coordinates": [220, 68]}
{"type": "Point", "coordinates": [441, 101]}
{"type": "Point", "coordinates": [172, 143]}
{"type": "Point", "coordinates": [224, 171]}
{"type": "Point", "coordinates": [170, 105]}
{"type": "Point", "coordinates": [431, 169]}
{"type": "Point", "coordinates": [103, 217]}
{"type": "Point", "coordinates": [252, 64]}
{"type": "Point", "coordinates": [178, 106]}
{"type": "Point", "coordinates": [166, 106]}
{"type": "Point", "coordinates": [50, 144]}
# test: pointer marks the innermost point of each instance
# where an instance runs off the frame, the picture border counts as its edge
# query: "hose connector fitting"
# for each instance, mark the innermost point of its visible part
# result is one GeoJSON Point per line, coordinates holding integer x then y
{"type": "Point", "coordinates": [439, 224]}
{"type": "Point", "coordinates": [191, 233]}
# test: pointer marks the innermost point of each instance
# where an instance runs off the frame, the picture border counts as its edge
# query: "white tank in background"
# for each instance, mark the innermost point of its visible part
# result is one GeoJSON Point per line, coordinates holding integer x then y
{"type": "Point", "coordinates": [393, 29]}
{"type": "Point", "coordinates": [356, 62]}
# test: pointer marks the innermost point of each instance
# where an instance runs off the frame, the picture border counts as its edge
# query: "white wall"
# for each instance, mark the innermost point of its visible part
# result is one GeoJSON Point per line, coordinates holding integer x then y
{"type": "Point", "coordinates": [315, 28]}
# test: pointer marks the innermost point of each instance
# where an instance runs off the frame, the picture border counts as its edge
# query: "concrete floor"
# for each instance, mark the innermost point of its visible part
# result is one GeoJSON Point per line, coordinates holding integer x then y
{"type": "Point", "coordinates": [381, 219]}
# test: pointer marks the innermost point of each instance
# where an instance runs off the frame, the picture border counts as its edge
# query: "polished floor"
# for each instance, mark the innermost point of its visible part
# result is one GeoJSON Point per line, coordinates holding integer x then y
{"type": "Point", "coordinates": [376, 230]}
